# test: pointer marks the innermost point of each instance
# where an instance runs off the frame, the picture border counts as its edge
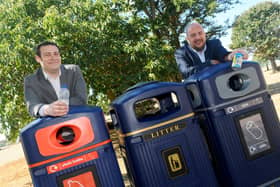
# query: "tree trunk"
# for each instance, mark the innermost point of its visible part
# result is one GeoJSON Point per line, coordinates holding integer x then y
{"type": "Point", "coordinates": [267, 66]}
{"type": "Point", "coordinates": [273, 65]}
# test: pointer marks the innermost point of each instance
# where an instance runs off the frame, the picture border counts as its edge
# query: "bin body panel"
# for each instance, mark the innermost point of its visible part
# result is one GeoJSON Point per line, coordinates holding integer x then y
{"type": "Point", "coordinates": [104, 169]}
{"type": "Point", "coordinates": [85, 161]}
{"type": "Point", "coordinates": [150, 165]}
{"type": "Point", "coordinates": [165, 150]}
{"type": "Point", "coordinates": [242, 131]}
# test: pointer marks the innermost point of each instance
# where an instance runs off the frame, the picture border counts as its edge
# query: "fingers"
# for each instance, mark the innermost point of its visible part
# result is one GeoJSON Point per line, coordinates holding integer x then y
{"type": "Point", "coordinates": [214, 61]}
{"type": "Point", "coordinates": [245, 55]}
{"type": "Point", "coordinates": [242, 51]}
{"type": "Point", "coordinates": [57, 108]}
{"type": "Point", "coordinates": [59, 103]}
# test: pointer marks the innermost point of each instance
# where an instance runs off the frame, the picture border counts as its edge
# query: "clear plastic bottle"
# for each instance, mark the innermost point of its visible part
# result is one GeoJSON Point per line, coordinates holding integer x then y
{"type": "Point", "coordinates": [64, 94]}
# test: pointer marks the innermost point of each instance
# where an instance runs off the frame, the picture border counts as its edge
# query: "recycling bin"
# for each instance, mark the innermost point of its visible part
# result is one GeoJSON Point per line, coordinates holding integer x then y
{"type": "Point", "coordinates": [71, 151]}
{"type": "Point", "coordinates": [160, 140]}
{"type": "Point", "coordinates": [240, 123]}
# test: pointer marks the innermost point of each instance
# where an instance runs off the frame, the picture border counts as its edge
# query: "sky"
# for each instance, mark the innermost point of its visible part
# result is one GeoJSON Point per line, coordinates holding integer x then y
{"type": "Point", "coordinates": [232, 13]}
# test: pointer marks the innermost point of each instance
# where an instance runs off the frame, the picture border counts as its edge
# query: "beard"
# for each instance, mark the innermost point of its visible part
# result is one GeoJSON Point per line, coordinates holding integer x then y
{"type": "Point", "coordinates": [199, 48]}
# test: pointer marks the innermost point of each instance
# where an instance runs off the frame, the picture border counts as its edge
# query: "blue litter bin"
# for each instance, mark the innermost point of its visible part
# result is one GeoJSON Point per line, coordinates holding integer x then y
{"type": "Point", "coordinates": [72, 150]}
{"type": "Point", "coordinates": [160, 139]}
{"type": "Point", "coordinates": [240, 122]}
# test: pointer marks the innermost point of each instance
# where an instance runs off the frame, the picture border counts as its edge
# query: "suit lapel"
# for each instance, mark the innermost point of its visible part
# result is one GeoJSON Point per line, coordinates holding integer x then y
{"type": "Point", "coordinates": [207, 52]}
{"type": "Point", "coordinates": [196, 60]}
{"type": "Point", "coordinates": [63, 76]}
{"type": "Point", "coordinates": [49, 91]}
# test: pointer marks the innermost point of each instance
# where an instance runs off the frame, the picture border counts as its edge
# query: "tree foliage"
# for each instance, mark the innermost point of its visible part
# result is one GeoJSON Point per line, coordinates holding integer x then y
{"type": "Point", "coordinates": [258, 30]}
{"type": "Point", "coordinates": [117, 43]}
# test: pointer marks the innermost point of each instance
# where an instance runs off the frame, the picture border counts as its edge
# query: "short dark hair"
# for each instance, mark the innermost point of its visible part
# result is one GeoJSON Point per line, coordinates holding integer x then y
{"type": "Point", "coordinates": [45, 43]}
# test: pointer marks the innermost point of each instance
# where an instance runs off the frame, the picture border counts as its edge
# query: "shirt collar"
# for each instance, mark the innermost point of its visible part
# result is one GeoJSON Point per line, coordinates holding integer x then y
{"type": "Point", "coordinates": [47, 77]}
{"type": "Point", "coordinates": [204, 49]}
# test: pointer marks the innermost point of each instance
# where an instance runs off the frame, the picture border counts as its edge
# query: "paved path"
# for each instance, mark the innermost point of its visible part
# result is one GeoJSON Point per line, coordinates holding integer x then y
{"type": "Point", "coordinates": [11, 153]}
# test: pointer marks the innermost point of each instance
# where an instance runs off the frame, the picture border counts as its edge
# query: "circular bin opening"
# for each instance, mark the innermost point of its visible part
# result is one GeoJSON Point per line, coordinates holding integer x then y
{"type": "Point", "coordinates": [238, 82]}
{"type": "Point", "coordinates": [65, 135]}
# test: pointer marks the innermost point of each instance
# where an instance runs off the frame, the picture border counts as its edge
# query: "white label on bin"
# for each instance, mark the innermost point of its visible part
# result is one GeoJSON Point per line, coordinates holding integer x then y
{"type": "Point", "coordinates": [244, 105]}
{"type": "Point", "coordinates": [254, 135]}
{"type": "Point", "coordinates": [72, 162]}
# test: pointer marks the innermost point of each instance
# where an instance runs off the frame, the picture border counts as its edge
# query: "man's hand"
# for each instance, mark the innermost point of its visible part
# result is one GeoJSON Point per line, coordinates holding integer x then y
{"type": "Point", "coordinates": [242, 51]}
{"type": "Point", "coordinates": [57, 108]}
{"type": "Point", "coordinates": [214, 61]}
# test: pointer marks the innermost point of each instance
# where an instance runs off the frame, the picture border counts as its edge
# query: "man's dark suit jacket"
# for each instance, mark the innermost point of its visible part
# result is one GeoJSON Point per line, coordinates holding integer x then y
{"type": "Point", "coordinates": [39, 91]}
{"type": "Point", "coordinates": [189, 63]}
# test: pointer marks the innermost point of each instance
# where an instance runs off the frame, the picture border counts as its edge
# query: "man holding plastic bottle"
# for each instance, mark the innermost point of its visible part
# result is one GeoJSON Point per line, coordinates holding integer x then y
{"type": "Point", "coordinates": [198, 52]}
{"type": "Point", "coordinates": [42, 88]}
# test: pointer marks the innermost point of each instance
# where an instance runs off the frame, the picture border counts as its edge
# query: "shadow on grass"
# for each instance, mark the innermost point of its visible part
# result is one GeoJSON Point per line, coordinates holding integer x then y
{"type": "Point", "coordinates": [29, 184]}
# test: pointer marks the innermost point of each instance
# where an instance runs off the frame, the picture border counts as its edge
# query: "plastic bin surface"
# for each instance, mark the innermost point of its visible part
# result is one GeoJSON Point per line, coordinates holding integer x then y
{"type": "Point", "coordinates": [219, 84]}
{"type": "Point", "coordinates": [241, 126]}
{"type": "Point", "coordinates": [165, 147]}
{"type": "Point", "coordinates": [87, 160]}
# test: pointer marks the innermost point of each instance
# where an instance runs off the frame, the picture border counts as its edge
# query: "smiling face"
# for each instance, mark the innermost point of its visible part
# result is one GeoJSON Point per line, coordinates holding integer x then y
{"type": "Point", "coordinates": [49, 59]}
{"type": "Point", "coordinates": [196, 36]}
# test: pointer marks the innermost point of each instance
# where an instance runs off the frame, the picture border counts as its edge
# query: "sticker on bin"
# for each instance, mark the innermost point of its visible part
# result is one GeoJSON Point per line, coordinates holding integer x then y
{"type": "Point", "coordinates": [72, 162]}
{"type": "Point", "coordinates": [253, 134]}
{"type": "Point", "coordinates": [175, 162]}
{"type": "Point", "coordinates": [86, 177]}
{"type": "Point", "coordinates": [83, 180]}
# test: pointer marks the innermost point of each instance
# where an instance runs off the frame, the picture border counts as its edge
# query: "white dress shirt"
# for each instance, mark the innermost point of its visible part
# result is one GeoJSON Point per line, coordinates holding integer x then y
{"type": "Point", "coordinates": [55, 82]}
{"type": "Point", "coordinates": [200, 54]}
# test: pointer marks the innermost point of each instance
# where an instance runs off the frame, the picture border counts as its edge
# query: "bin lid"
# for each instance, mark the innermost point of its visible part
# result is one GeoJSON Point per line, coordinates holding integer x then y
{"type": "Point", "coordinates": [212, 70]}
{"type": "Point", "coordinates": [137, 90]}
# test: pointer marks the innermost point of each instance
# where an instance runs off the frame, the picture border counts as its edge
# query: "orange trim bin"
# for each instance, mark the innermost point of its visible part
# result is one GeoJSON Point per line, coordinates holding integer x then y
{"type": "Point", "coordinates": [69, 154]}
{"type": "Point", "coordinates": [49, 144]}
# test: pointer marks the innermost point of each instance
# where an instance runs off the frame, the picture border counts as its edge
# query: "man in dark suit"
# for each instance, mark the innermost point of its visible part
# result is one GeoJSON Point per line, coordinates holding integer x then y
{"type": "Point", "coordinates": [198, 53]}
{"type": "Point", "coordinates": [41, 88]}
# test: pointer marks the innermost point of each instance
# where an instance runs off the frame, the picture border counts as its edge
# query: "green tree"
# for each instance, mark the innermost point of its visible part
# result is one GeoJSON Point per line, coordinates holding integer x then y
{"type": "Point", "coordinates": [166, 20]}
{"type": "Point", "coordinates": [117, 43]}
{"type": "Point", "coordinates": [92, 34]}
{"type": "Point", "coordinates": [258, 30]}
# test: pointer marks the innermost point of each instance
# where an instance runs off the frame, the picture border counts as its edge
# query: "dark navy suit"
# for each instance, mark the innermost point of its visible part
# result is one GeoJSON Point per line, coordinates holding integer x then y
{"type": "Point", "coordinates": [189, 63]}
